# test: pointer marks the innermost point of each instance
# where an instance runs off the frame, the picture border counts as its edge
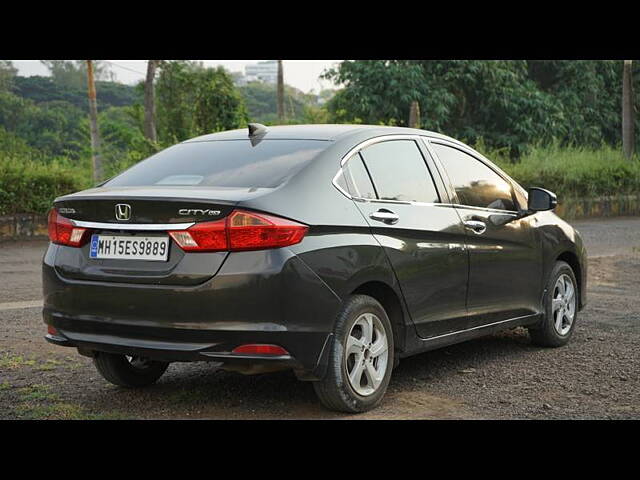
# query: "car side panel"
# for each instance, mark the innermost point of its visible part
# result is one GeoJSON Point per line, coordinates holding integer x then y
{"type": "Point", "coordinates": [505, 268]}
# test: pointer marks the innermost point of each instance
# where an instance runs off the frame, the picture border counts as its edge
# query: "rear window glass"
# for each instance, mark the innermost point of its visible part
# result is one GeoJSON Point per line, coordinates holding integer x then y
{"type": "Point", "coordinates": [231, 163]}
{"type": "Point", "coordinates": [358, 180]}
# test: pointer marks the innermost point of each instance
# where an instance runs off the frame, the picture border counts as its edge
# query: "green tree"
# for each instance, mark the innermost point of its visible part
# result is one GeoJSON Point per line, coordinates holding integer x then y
{"type": "Point", "coordinates": [260, 99]}
{"type": "Point", "coordinates": [56, 128]}
{"type": "Point", "coordinates": [508, 103]}
{"type": "Point", "coordinates": [73, 73]}
{"type": "Point", "coordinates": [218, 103]}
{"type": "Point", "coordinates": [44, 89]}
{"type": "Point", "coordinates": [194, 100]}
{"type": "Point", "coordinates": [174, 93]}
{"type": "Point", "coordinates": [376, 91]}
{"type": "Point", "coordinates": [7, 75]}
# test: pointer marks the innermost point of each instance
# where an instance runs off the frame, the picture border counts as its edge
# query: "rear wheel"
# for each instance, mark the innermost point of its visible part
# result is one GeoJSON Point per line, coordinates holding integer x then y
{"type": "Point", "coordinates": [561, 309]}
{"type": "Point", "coordinates": [360, 359]}
{"type": "Point", "coordinates": [127, 371]}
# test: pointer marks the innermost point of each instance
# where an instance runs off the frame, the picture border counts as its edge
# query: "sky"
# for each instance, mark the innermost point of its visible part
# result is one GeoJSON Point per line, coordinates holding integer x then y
{"type": "Point", "coordinates": [302, 74]}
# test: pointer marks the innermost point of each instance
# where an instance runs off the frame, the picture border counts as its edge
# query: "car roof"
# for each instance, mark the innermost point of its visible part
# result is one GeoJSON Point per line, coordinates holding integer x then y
{"type": "Point", "coordinates": [327, 132]}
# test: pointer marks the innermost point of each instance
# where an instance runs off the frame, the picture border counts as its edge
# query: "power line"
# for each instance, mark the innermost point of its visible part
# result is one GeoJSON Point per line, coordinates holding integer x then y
{"type": "Point", "coordinates": [126, 68]}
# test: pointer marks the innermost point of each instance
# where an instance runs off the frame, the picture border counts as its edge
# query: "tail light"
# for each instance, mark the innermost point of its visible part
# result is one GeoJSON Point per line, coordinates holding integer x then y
{"type": "Point", "coordinates": [63, 232]}
{"type": "Point", "coordinates": [241, 230]}
{"type": "Point", "coordinates": [259, 349]}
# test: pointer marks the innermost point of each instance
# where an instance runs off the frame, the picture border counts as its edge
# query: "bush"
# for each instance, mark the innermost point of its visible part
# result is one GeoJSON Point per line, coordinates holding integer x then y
{"type": "Point", "coordinates": [28, 186]}
{"type": "Point", "coordinates": [576, 172]}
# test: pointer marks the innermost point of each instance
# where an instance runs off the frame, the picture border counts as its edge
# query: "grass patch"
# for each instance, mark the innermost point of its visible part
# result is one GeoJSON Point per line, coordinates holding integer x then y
{"type": "Point", "coordinates": [58, 411]}
{"type": "Point", "coordinates": [11, 362]}
{"type": "Point", "coordinates": [37, 392]}
{"type": "Point", "coordinates": [5, 386]}
{"type": "Point", "coordinates": [49, 364]}
{"type": "Point", "coordinates": [62, 411]}
{"type": "Point", "coordinates": [37, 402]}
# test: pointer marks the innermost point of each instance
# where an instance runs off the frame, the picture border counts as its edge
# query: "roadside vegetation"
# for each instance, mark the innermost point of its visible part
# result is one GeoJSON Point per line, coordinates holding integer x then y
{"type": "Point", "coordinates": [547, 123]}
{"type": "Point", "coordinates": [572, 172]}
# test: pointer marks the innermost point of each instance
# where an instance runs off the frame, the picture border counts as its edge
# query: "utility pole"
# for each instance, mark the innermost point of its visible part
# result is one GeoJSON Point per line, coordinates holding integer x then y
{"type": "Point", "coordinates": [628, 117]}
{"type": "Point", "coordinates": [414, 115]}
{"type": "Point", "coordinates": [280, 93]}
{"type": "Point", "coordinates": [93, 117]}
{"type": "Point", "coordinates": [150, 102]}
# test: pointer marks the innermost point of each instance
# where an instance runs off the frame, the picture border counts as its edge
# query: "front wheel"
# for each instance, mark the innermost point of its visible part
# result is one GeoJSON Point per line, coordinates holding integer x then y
{"type": "Point", "coordinates": [561, 309]}
{"type": "Point", "coordinates": [360, 359]}
{"type": "Point", "coordinates": [127, 371]}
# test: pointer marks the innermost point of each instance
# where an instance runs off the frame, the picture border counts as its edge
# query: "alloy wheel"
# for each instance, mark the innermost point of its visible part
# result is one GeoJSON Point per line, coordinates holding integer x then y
{"type": "Point", "coordinates": [563, 305]}
{"type": "Point", "coordinates": [366, 354]}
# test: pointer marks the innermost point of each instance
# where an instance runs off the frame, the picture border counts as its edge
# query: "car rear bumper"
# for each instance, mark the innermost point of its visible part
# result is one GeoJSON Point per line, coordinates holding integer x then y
{"type": "Point", "coordinates": [265, 297]}
{"type": "Point", "coordinates": [309, 364]}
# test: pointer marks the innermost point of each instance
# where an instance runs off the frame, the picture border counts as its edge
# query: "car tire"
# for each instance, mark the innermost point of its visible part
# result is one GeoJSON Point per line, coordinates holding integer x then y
{"type": "Point", "coordinates": [128, 372]}
{"type": "Point", "coordinates": [561, 309]}
{"type": "Point", "coordinates": [355, 381]}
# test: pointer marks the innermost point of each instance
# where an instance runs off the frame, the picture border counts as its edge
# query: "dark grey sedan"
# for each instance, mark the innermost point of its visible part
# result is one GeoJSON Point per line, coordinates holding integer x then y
{"type": "Point", "coordinates": [330, 250]}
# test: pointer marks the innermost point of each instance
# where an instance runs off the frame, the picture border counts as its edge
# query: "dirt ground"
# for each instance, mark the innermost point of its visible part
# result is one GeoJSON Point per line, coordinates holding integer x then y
{"type": "Point", "coordinates": [497, 377]}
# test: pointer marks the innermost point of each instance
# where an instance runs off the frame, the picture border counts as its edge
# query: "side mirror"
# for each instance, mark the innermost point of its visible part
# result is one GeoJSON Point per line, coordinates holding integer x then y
{"type": "Point", "coordinates": [541, 200]}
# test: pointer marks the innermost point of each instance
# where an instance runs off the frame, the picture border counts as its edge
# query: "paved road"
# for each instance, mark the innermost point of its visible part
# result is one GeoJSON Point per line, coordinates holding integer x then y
{"type": "Point", "coordinates": [501, 376]}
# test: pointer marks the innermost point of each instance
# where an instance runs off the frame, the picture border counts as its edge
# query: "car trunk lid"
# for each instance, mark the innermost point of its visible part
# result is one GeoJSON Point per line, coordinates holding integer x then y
{"type": "Point", "coordinates": [145, 212]}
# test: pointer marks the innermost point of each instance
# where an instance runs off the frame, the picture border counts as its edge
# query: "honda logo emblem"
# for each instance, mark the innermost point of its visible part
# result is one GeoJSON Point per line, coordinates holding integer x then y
{"type": "Point", "coordinates": [123, 212]}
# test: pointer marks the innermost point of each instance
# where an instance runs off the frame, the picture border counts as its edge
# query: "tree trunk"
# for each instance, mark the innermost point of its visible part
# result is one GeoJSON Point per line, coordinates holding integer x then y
{"type": "Point", "coordinates": [280, 93]}
{"type": "Point", "coordinates": [93, 117]}
{"type": "Point", "coordinates": [414, 115]}
{"type": "Point", "coordinates": [150, 102]}
{"type": "Point", "coordinates": [628, 120]}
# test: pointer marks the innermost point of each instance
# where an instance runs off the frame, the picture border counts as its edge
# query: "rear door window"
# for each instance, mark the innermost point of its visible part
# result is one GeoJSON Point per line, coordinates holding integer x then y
{"type": "Point", "coordinates": [228, 163]}
{"type": "Point", "coordinates": [399, 172]}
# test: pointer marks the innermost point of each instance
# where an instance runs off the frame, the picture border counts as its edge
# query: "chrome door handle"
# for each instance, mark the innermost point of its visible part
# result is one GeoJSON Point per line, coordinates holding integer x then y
{"type": "Point", "coordinates": [475, 225]}
{"type": "Point", "coordinates": [386, 216]}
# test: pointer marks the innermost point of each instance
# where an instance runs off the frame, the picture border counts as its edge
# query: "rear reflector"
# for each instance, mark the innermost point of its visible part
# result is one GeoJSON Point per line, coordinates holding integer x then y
{"type": "Point", "coordinates": [63, 232]}
{"type": "Point", "coordinates": [241, 230]}
{"type": "Point", "coordinates": [260, 349]}
{"type": "Point", "coordinates": [51, 330]}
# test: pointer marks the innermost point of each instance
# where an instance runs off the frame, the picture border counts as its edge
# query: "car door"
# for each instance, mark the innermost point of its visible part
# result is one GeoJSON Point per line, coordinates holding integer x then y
{"type": "Point", "coordinates": [424, 240]}
{"type": "Point", "coordinates": [505, 266]}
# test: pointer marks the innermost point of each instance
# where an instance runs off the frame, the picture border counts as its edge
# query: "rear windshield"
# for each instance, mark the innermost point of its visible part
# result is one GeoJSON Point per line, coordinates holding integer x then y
{"type": "Point", "coordinates": [229, 163]}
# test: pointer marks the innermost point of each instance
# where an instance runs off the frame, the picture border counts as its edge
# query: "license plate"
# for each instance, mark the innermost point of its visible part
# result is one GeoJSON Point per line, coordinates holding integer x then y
{"type": "Point", "coordinates": [130, 247]}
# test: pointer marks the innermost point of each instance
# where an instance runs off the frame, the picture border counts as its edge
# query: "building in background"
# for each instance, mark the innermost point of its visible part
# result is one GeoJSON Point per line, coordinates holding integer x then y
{"type": "Point", "coordinates": [266, 72]}
{"type": "Point", "coordinates": [239, 79]}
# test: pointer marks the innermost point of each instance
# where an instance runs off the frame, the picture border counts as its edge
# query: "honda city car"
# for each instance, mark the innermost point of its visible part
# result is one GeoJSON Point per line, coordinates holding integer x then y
{"type": "Point", "coordinates": [333, 251]}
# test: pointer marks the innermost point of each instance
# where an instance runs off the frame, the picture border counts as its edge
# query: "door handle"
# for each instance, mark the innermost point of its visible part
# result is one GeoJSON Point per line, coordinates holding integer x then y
{"type": "Point", "coordinates": [475, 225]}
{"type": "Point", "coordinates": [385, 216]}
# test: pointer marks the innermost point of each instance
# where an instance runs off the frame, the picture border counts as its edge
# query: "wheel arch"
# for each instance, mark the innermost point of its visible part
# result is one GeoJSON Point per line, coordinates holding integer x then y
{"type": "Point", "coordinates": [572, 259]}
{"type": "Point", "coordinates": [392, 303]}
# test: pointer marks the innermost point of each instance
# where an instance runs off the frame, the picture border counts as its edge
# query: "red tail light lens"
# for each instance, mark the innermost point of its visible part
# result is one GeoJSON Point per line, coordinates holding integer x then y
{"type": "Point", "coordinates": [202, 237]}
{"type": "Point", "coordinates": [259, 349]}
{"type": "Point", "coordinates": [241, 230]}
{"type": "Point", "coordinates": [63, 232]}
{"type": "Point", "coordinates": [251, 231]}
